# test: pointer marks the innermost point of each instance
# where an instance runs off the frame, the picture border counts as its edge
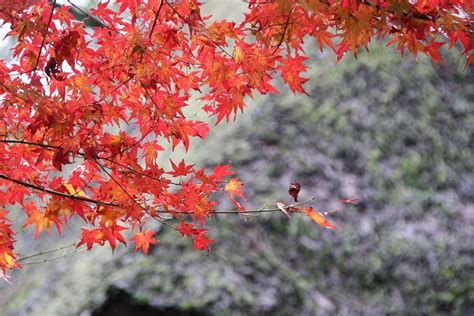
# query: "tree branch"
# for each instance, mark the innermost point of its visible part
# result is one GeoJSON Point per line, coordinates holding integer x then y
{"type": "Point", "coordinates": [36, 187]}
{"type": "Point", "coordinates": [45, 252]}
{"type": "Point", "coordinates": [65, 195]}
{"type": "Point", "coordinates": [284, 32]}
{"type": "Point", "coordinates": [44, 38]}
{"type": "Point", "coordinates": [156, 18]}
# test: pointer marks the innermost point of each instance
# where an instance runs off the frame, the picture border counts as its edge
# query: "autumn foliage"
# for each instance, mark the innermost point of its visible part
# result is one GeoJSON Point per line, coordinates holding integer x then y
{"type": "Point", "coordinates": [87, 111]}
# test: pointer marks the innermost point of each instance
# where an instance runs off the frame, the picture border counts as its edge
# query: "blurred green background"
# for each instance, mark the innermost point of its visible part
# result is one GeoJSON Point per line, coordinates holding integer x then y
{"type": "Point", "coordinates": [396, 133]}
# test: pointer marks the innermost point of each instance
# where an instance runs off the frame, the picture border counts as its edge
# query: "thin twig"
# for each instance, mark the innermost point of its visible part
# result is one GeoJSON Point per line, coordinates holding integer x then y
{"type": "Point", "coordinates": [236, 212]}
{"type": "Point", "coordinates": [54, 258]}
{"type": "Point", "coordinates": [45, 252]}
{"type": "Point", "coordinates": [284, 32]}
{"type": "Point", "coordinates": [44, 38]}
{"type": "Point", "coordinates": [93, 18]}
{"type": "Point", "coordinates": [65, 195]}
{"type": "Point", "coordinates": [264, 210]}
{"type": "Point", "coordinates": [156, 18]}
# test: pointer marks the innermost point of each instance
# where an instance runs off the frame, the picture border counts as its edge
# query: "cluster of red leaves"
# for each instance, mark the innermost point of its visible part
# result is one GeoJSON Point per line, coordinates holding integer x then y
{"type": "Point", "coordinates": [7, 257]}
{"type": "Point", "coordinates": [104, 103]}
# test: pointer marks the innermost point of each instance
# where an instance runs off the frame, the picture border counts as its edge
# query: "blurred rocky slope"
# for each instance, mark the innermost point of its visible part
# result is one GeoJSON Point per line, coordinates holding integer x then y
{"type": "Point", "coordinates": [396, 133]}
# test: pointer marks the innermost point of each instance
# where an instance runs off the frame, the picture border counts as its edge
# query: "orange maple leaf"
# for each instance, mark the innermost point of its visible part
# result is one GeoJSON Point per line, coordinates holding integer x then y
{"type": "Point", "coordinates": [91, 236]}
{"type": "Point", "coordinates": [143, 240]}
{"type": "Point", "coordinates": [7, 261]}
{"type": "Point", "coordinates": [42, 220]}
{"type": "Point", "coordinates": [318, 217]}
{"type": "Point", "coordinates": [234, 187]}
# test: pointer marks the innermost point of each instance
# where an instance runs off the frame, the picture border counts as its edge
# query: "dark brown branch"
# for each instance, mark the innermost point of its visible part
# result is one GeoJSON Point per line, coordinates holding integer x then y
{"type": "Point", "coordinates": [65, 195]}
{"type": "Point", "coordinates": [24, 142]}
{"type": "Point", "coordinates": [92, 21]}
{"type": "Point", "coordinates": [235, 212]}
{"type": "Point", "coordinates": [284, 33]}
{"type": "Point", "coordinates": [44, 38]}
{"type": "Point", "coordinates": [95, 21]}
{"type": "Point", "coordinates": [156, 18]}
{"type": "Point", "coordinates": [85, 199]}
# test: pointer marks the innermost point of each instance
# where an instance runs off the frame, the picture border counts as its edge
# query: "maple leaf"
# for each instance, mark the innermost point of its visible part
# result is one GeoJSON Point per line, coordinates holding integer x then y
{"type": "Point", "coordinates": [432, 49]}
{"type": "Point", "coordinates": [201, 241]}
{"type": "Point", "coordinates": [42, 220]}
{"type": "Point", "coordinates": [234, 187]}
{"type": "Point", "coordinates": [318, 217]}
{"type": "Point", "coordinates": [186, 229]}
{"type": "Point", "coordinates": [201, 129]}
{"type": "Point", "coordinates": [238, 54]}
{"type": "Point", "coordinates": [5, 263]}
{"type": "Point", "coordinates": [71, 190]}
{"type": "Point", "coordinates": [91, 237]}
{"type": "Point", "coordinates": [143, 240]}
{"type": "Point", "coordinates": [112, 235]}
{"type": "Point", "coordinates": [61, 158]}
{"type": "Point", "coordinates": [8, 261]}
{"type": "Point", "coordinates": [290, 68]}
{"type": "Point", "coordinates": [151, 152]}
{"type": "Point", "coordinates": [221, 171]}
{"type": "Point", "coordinates": [181, 169]}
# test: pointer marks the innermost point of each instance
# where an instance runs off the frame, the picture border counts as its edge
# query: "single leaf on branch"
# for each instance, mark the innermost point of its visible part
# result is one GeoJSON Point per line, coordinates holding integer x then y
{"type": "Point", "coordinates": [318, 217]}
{"type": "Point", "coordinates": [143, 240]}
{"type": "Point", "coordinates": [294, 190]}
{"type": "Point", "coordinates": [234, 189]}
{"type": "Point", "coordinates": [353, 201]}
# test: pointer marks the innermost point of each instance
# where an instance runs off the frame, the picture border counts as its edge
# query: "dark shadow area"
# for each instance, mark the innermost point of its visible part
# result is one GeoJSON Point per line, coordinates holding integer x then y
{"type": "Point", "coordinates": [120, 303]}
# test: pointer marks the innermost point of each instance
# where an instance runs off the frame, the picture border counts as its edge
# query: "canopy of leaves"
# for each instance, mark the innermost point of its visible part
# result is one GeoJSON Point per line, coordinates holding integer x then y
{"type": "Point", "coordinates": [399, 135]}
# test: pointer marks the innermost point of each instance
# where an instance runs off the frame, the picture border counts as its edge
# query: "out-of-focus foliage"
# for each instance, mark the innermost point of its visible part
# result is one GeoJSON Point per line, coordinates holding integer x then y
{"type": "Point", "coordinates": [396, 133]}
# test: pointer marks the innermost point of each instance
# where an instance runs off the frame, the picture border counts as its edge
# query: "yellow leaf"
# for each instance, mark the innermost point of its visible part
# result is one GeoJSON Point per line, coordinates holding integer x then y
{"type": "Point", "coordinates": [7, 261]}
{"type": "Point", "coordinates": [73, 191]}
{"type": "Point", "coordinates": [81, 82]}
{"type": "Point", "coordinates": [234, 187]}
{"type": "Point", "coordinates": [238, 54]}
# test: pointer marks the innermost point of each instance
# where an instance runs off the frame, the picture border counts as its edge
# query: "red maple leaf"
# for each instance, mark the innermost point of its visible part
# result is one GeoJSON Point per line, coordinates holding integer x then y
{"type": "Point", "coordinates": [201, 241]}
{"type": "Point", "coordinates": [143, 240]}
{"type": "Point", "coordinates": [181, 169]}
